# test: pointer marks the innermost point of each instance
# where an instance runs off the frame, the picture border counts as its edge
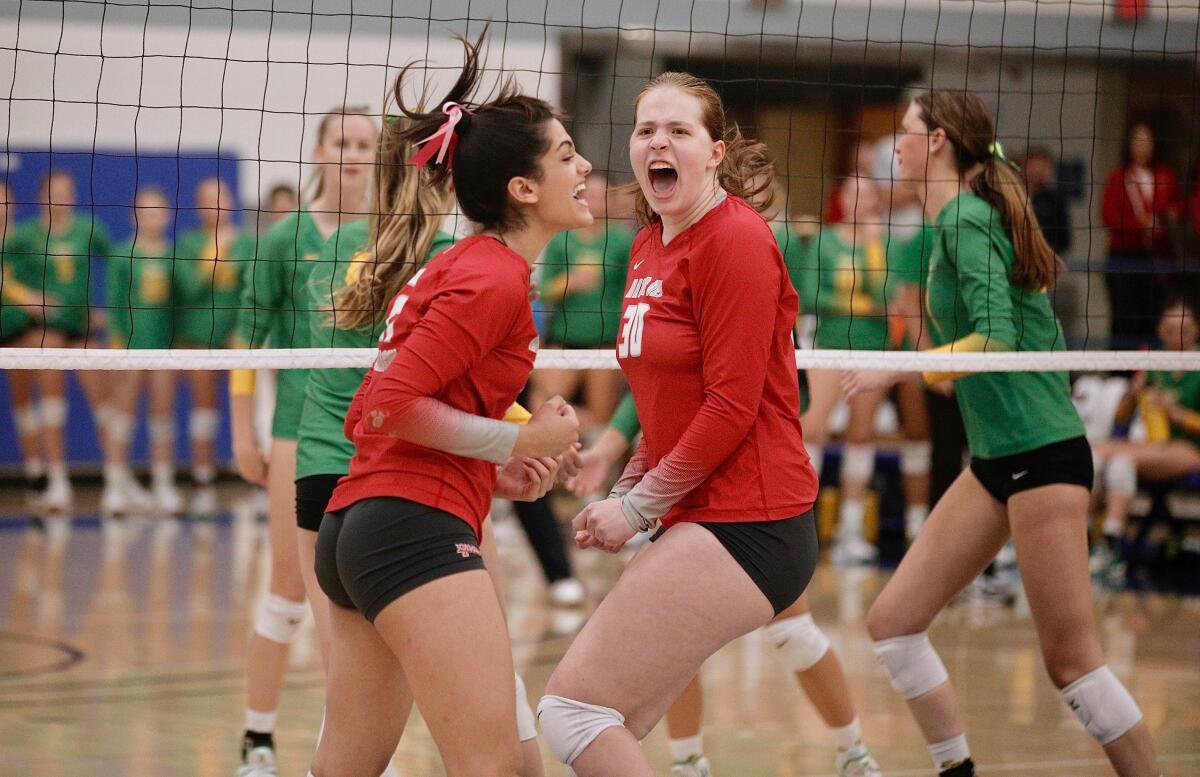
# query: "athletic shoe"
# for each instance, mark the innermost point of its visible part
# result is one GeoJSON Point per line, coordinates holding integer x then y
{"type": "Point", "coordinates": [567, 592]}
{"type": "Point", "coordinates": [123, 495]}
{"type": "Point", "coordinates": [57, 496]}
{"type": "Point", "coordinates": [852, 551]}
{"type": "Point", "coordinates": [1102, 558]}
{"type": "Point", "coordinates": [694, 766]}
{"type": "Point", "coordinates": [167, 498]}
{"type": "Point", "coordinates": [857, 762]}
{"type": "Point", "coordinates": [259, 762]}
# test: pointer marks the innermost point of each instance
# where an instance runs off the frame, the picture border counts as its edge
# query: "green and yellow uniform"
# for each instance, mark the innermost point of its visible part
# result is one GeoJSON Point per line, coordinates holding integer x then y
{"type": "Point", "coordinates": [843, 285]}
{"type": "Point", "coordinates": [908, 265]}
{"type": "Point", "coordinates": [208, 288]}
{"type": "Point", "coordinates": [1182, 388]}
{"type": "Point", "coordinates": [139, 297]}
{"type": "Point", "coordinates": [973, 306]}
{"type": "Point", "coordinates": [275, 308]}
{"type": "Point", "coordinates": [58, 266]}
{"type": "Point", "coordinates": [585, 318]}
{"type": "Point", "coordinates": [323, 448]}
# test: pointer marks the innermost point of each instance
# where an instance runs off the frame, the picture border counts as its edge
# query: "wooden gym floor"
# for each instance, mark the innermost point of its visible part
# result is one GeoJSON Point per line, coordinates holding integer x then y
{"type": "Point", "coordinates": [122, 645]}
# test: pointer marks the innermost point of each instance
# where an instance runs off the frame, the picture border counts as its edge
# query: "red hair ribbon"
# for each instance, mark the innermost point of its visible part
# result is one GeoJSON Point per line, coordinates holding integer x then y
{"type": "Point", "coordinates": [445, 149]}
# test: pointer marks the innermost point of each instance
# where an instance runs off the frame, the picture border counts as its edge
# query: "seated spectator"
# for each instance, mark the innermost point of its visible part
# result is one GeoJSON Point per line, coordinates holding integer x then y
{"type": "Point", "coordinates": [1169, 406]}
{"type": "Point", "coordinates": [1141, 199]}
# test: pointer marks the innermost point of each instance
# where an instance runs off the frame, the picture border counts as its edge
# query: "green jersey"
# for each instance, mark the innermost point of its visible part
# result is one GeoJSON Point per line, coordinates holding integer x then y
{"type": "Point", "coordinates": [59, 266]}
{"type": "Point", "coordinates": [139, 297]}
{"type": "Point", "coordinates": [323, 448]}
{"type": "Point", "coordinates": [275, 307]}
{"type": "Point", "coordinates": [844, 285]}
{"type": "Point", "coordinates": [586, 317]}
{"type": "Point", "coordinates": [1183, 388]}
{"type": "Point", "coordinates": [969, 295]}
{"type": "Point", "coordinates": [208, 287]}
{"type": "Point", "coordinates": [908, 265]}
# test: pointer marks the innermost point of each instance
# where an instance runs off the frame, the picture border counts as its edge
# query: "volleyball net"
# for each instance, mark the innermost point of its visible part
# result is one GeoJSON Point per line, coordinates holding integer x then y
{"type": "Point", "coordinates": [108, 100]}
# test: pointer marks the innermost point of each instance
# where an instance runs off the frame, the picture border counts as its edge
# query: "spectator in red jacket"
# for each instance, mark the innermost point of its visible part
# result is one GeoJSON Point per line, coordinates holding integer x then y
{"type": "Point", "coordinates": [1141, 199]}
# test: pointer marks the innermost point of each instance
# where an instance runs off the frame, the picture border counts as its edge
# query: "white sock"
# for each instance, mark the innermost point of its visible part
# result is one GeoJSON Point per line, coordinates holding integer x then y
{"type": "Point", "coordinates": [163, 474]}
{"type": "Point", "coordinates": [850, 518]}
{"type": "Point", "coordinates": [115, 474]}
{"type": "Point", "coordinates": [35, 468]}
{"type": "Point", "coordinates": [204, 474]}
{"type": "Point", "coordinates": [390, 771]}
{"type": "Point", "coordinates": [952, 751]}
{"type": "Point", "coordinates": [683, 749]}
{"type": "Point", "coordinates": [57, 471]}
{"type": "Point", "coordinates": [847, 736]}
{"type": "Point", "coordinates": [1113, 526]}
{"type": "Point", "coordinates": [261, 722]}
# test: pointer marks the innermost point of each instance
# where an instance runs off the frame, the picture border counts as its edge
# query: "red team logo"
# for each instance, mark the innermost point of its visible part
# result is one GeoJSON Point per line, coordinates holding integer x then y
{"type": "Point", "coordinates": [466, 549]}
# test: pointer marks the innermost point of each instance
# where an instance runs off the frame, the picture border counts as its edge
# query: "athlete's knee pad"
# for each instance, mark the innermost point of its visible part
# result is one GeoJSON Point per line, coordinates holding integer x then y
{"type": "Point", "coordinates": [1120, 475]}
{"type": "Point", "coordinates": [526, 725]}
{"type": "Point", "coordinates": [120, 426]}
{"type": "Point", "coordinates": [800, 640]}
{"type": "Point", "coordinates": [858, 461]}
{"type": "Point", "coordinates": [54, 412]}
{"type": "Point", "coordinates": [1102, 704]}
{"type": "Point", "coordinates": [569, 726]}
{"type": "Point", "coordinates": [202, 424]}
{"type": "Point", "coordinates": [28, 419]}
{"type": "Point", "coordinates": [162, 430]}
{"type": "Point", "coordinates": [914, 457]}
{"type": "Point", "coordinates": [912, 664]}
{"type": "Point", "coordinates": [279, 619]}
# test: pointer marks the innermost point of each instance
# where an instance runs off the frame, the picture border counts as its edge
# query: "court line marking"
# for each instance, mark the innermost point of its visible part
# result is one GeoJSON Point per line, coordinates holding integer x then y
{"type": "Point", "coordinates": [1039, 765]}
{"type": "Point", "coordinates": [72, 655]}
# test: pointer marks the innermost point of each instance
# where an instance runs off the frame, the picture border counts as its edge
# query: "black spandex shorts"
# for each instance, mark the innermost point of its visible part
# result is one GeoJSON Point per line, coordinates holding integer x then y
{"type": "Point", "coordinates": [377, 550]}
{"type": "Point", "coordinates": [779, 556]}
{"type": "Point", "coordinates": [312, 497]}
{"type": "Point", "coordinates": [1067, 462]}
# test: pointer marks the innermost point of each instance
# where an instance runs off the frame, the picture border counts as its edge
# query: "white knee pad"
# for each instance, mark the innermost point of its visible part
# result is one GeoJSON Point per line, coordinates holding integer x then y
{"type": "Point", "coordinates": [914, 457]}
{"type": "Point", "coordinates": [279, 619]}
{"type": "Point", "coordinates": [54, 412]}
{"type": "Point", "coordinates": [800, 640]}
{"type": "Point", "coordinates": [858, 461]}
{"type": "Point", "coordinates": [120, 426]}
{"type": "Point", "coordinates": [1120, 475]}
{"type": "Point", "coordinates": [912, 664]}
{"type": "Point", "coordinates": [569, 726]}
{"type": "Point", "coordinates": [1102, 704]}
{"type": "Point", "coordinates": [202, 424]}
{"type": "Point", "coordinates": [28, 419]}
{"type": "Point", "coordinates": [816, 454]}
{"type": "Point", "coordinates": [526, 725]}
{"type": "Point", "coordinates": [162, 430]}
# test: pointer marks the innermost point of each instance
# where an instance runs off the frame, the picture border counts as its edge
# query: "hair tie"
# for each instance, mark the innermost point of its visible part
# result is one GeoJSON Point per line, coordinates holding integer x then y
{"type": "Point", "coordinates": [997, 150]}
{"type": "Point", "coordinates": [445, 150]}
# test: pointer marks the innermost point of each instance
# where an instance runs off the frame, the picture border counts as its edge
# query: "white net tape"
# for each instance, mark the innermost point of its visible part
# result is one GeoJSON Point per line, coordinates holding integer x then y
{"type": "Point", "coordinates": [316, 358]}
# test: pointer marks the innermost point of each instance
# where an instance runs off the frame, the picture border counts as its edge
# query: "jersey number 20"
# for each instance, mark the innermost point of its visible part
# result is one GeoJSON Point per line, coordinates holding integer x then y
{"type": "Point", "coordinates": [630, 343]}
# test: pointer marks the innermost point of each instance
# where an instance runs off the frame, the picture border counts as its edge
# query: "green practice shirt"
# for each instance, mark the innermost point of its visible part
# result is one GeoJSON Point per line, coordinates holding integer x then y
{"type": "Point", "coordinates": [207, 289]}
{"type": "Point", "coordinates": [587, 318]}
{"type": "Point", "coordinates": [1184, 389]}
{"type": "Point", "coordinates": [843, 285]}
{"type": "Point", "coordinates": [969, 292]}
{"type": "Point", "coordinates": [275, 307]}
{"type": "Point", "coordinates": [59, 266]}
{"type": "Point", "coordinates": [139, 297]}
{"type": "Point", "coordinates": [323, 448]}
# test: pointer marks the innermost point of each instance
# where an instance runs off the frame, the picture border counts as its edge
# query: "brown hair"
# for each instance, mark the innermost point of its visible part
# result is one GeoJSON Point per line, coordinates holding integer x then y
{"type": "Point", "coordinates": [968, 127]}
{"type": "Point", "coordinates": [498, 139]}
{"type": "Point", "coordinates": [746, 171]}
{"type": "Point", "coordinates": [340, 112]}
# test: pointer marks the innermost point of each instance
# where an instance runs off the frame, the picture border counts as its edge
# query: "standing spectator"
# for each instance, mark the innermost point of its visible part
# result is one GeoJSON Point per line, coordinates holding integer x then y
{"type": "Point", "coordinates": [1141, 199]}
{"type": "Point", "coordinates": [1049, 204]}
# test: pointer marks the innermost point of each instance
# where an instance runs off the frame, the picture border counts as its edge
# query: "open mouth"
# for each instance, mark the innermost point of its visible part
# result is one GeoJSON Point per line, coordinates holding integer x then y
{"type": "Point", "coordinates": [663, 178]}
{"type": "Point", "coordinates": [577, 193]}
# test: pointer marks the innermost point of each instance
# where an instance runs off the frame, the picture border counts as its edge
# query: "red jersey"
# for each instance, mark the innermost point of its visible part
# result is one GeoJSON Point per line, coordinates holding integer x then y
{"type": "Point", "coordinates": [706, 343]}
{"type": "Point", "coordinates": [459, 336]}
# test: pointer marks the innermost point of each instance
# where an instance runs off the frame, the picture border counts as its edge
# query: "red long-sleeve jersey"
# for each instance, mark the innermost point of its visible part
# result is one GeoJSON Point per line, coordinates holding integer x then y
{"type": "Point", "coordinates": [706, 343]}
{"type": "Point", "coordinates": [458, 347]}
